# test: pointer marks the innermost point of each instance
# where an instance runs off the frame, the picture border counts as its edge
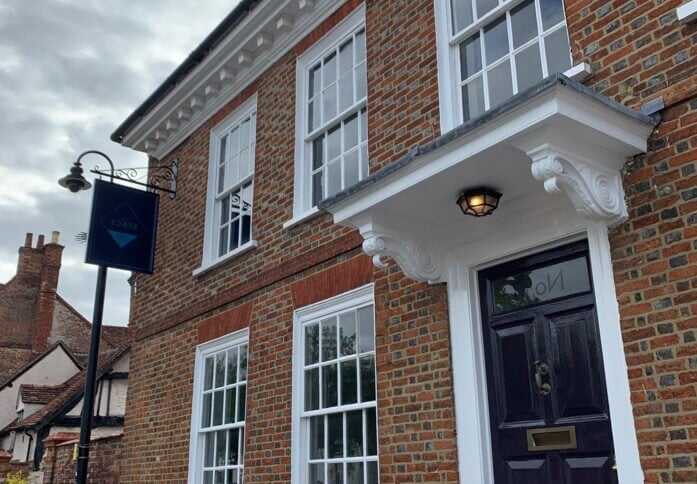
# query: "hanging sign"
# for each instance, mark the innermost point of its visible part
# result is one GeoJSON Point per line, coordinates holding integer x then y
{"type": "Point", "coordinates": [122, 227]}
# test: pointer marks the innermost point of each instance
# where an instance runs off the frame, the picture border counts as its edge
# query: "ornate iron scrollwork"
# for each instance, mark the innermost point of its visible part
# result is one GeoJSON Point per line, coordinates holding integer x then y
{"type": "Point", "coordinates": [155, 177]}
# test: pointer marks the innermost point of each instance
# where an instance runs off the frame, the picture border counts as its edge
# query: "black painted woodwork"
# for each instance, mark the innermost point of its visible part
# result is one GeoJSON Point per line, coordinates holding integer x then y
{"type": "Point", "coordinates": [564, 334]}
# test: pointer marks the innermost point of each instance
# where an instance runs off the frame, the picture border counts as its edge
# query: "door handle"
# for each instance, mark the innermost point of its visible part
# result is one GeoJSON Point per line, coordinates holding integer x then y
{"type": "Point", "coordinates": [542, 369]}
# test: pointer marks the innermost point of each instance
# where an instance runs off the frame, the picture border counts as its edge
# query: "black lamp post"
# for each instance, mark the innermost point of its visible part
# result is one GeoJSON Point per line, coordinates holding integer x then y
{"type": "Point", "coordinates": [76, 182]}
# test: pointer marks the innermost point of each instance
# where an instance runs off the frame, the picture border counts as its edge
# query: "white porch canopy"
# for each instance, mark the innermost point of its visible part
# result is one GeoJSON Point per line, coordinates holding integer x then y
{"type": "Point", "coordinates": [556, 138]}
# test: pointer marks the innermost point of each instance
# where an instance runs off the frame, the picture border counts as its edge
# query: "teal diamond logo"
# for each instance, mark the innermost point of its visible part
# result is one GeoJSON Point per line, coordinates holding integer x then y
{"type": "Point", "coordinates": [123, 225]}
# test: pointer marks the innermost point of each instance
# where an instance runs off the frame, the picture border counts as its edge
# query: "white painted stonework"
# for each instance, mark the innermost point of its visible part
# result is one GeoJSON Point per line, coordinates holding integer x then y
{"type": "Point", "coordinates": [557, 161]}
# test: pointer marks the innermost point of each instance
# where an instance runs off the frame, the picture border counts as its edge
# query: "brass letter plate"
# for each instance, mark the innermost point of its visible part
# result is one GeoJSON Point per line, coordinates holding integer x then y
{"type": "Point", "coordinates": [554, 438]}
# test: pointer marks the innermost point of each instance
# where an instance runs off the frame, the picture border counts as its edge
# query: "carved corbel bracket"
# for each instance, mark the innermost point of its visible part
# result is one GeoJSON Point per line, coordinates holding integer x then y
{"type": "Point", "coordinates": [595, 191]}
{"type": "Point", "coordinates": [417, 261]}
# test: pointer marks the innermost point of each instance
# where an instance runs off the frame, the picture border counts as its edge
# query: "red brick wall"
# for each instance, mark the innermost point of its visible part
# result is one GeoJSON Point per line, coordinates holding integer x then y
{"type": "Point", "coordinates": [104, 464]}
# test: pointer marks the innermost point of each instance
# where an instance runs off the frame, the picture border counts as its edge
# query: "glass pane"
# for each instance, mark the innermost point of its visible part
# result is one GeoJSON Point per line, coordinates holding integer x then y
{"type": "Point", "coordinates": [208, 374]}
{"type": "Point", "coordinates": [245, 129]}
{"type": "Point", "coordinates": [364, 161]}
{"type": "Point", "coordinates": [541, 284]}
{"type": "Point", "coordinates": [336, 435]}
{"type": "Point", "coordinates": [316, 474]}
{"type": "Point", "coordinates": [462, 14]}
{"type": "Point", "coordinates": [219, 370]}
{"type": "Point", "coordinates": [372, 473]}
{"type": "Point", "coordinates": [366, 329]}
{"type": "Point", "coordinates": [557, 50]}
{"type": "Point", "coordinates": [329, 386]}
{"type": "Point", "coordinates": [245, 162]}
{"type": "Point", "coordinates": [242, 402]}
{"type": "Point", "coordinates": [208, 477]}
{"type": "Point", "coordinates": [220, 446]}
{"type": "Point", "coordinates": [314, 82]}
{"type": "Point", "coordinates": [223, 148]}
{"type": "Point", "coordinates": [312, 389]}
{"type": "Point", "coordinates": [243, 362]}
{"type": "Point", "coordinates": [235, 230]}
{"type": "Point", "coordinates": [496, 40]}
{"type": "Point", "coordinates": [354, 473]}
{"type": "Point", "coordinates": [500, 84]}
{"type": "Point", "coordinates": [230, 399]}
{"type": "Point", "coordinates": [218, 407]}
{"type": "Point", "coordinates": [346, 57]}
{"type": "Point", "coordinates": [329, 103]}
{"type": "Point", "coordinates": [233, 455]}
{"type": "Point", "coordinates": [223, 243]}
{"type": "Point", "coordinates": [345, 92]}
{"type": "Point", "coordinates": [329, 70]}
{"type": "Point", "coordinates": [334, 178]}
{"type": "Point", "coordinates": [484, 6]}
{"type": "Point", "coordinates": [328, 339]}
{"type": "Point", "coordinates": [350, 132]}
{"type": "Point", "coordinates": [473, 98]}
{"type": "Point", "coordinates": [209, 450]}
{"type": "Point", "coordinates": [349, 383]}
{"type": "Point", "coordinates": [311, 344]}
{"type": "Point", "coordinates": [371, 434]}
{"type": "Point", "coordinates": [224, 210]}
{"type": "Point", "coordinates": [334, 142]}
{"type": "Point", "coordinates": [335, 474]}
{"type": "Point", "coordinates": [317, 152]}
{"type": "Point", "coordinates": [360, 46]}
{"type": "Point", "coordinates": [470, 56]}
{"type": "Point", "coordinates": [232, 477]}
{"type": "Point", "coordinates": [361, 82]}
{"type": "Point", "coordinates": [314, 115]}
{"type": "Point", "coordinates": [232, 366]}
{"type": "Point", "coordinates": [528, 67]}
{"type": "Point", "coordinates": [364, 125]}
{"type": "Point", "coordinates": [354, 433]}
{"type": "Point", "coordinates": [219, 477]}
{"type": "Point", "coordinates": [317, 188]}
{"type": "Point", "coordinates": [206, 411]}
{"type": "Point", "coordinates": [317, 437]}
{"type": "Point", "coordinates": [552, 12]}
{"type": "Point", "coordinates": [351, 168]}
{"type": "Point", "coordinates": [347, 328]}
{"type": "Point", "coordinates": [367, 379]}
{"type": "Point", "coordinates": [523, 23]}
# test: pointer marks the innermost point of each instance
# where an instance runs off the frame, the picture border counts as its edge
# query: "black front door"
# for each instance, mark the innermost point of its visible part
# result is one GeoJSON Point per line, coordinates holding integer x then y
{"type": "Point", "coordinates": [546, 384]}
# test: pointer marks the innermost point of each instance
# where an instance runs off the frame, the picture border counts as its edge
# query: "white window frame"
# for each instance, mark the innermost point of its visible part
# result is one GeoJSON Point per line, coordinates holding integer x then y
{"type": "Point", "coordinates": [448, 58]}
{"type": "Point", "coordinates": [355, 298]}
{"type": "Point", "coordinates": [210, 240]}
{"type": "Point", "coordinates": [196, 439]}
{"type": "Point", "coordinates": [302, 199]}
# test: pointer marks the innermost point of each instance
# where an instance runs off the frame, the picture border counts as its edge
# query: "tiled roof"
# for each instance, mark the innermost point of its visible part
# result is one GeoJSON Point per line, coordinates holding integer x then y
{"type": "Point", "coordinates": [40, 394]}
{"type": "Point", "coordinates": [118, 335]}
{"type": "Point", "coordinates": [36, 360]}
{"type": "Point", "coordinates": [74, 389]}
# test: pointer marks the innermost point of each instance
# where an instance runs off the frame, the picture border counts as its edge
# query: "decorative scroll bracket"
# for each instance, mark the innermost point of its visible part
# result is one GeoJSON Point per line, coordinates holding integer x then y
{"type": "Point", "coordinates": [417, 261]}
{"type": "Point", "coordinates": [595, 191]}
{"type": "Point", "coordinates": [157, 176]}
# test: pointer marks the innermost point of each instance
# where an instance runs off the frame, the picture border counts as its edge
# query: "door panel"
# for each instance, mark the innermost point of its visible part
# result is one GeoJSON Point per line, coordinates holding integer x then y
{"type": "Point", "coordinates": [545, 371]}
{"type": "Point", "coordinates": [578, 379]}
{"type": "Point", "coordinates": [515, 348]}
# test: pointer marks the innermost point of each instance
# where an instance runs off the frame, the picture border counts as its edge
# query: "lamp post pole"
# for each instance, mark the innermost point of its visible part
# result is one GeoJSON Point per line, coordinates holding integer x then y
{"type": "Point", "coordinates": [75, 182]}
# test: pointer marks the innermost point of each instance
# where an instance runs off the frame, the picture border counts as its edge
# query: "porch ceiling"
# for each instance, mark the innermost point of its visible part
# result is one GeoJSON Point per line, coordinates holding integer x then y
{"type": "Point", "coordinates": [559, 137]}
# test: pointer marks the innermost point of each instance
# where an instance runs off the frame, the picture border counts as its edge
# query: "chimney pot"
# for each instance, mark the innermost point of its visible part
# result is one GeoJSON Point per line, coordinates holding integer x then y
{"type": "Point", "coordinates": [54, 236]}
{"type": "Point", "coordinates": [27, 239]}
{"type": "Point", "coordinates": [40, 242]}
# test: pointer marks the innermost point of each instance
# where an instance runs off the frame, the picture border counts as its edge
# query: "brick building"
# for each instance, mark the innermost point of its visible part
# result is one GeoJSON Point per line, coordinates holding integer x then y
{"type": "Point", "coordinates": [322, 310]}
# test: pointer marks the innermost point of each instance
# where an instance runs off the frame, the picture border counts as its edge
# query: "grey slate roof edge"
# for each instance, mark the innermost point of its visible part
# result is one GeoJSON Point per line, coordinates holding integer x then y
{"type": "Point", "coordinates": [488, 116]}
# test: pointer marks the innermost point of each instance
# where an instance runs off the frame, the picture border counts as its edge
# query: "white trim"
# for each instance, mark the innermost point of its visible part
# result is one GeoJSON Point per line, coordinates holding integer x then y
{"type": "Point", "coordinates": [469, 377]}
{"type": "Point", "coordinates": [687, 12]}
{"type": "Point", "coordinates": [355, 297]}
{"type": "Point", "coordinates": [239, 59]}
{"type": "Point", "coordinates": [579, 72]}
{"type": "Point", "coordinates": [303, 217]}
{"type": "Point", "coordinates": [302, 202]}
{"type": "Point", "coordinates": [208, 258]}
{"type": "Point", "coordinates": [242, 249]}
{"type": "Point", "coordinates": [203, 350]}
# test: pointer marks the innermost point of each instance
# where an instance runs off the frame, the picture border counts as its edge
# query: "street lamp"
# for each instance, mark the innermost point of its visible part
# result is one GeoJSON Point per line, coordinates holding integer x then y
{"type": "Point", "coordinates": [76, 182]}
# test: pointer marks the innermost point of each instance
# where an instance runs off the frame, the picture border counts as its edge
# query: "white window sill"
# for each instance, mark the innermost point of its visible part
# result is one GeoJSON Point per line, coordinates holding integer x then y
{"type": "Point", "coordinates": [303, 217]}
{"type": "Point", "coordinates": [579, 72]}
{"type": "Point", "coordinates": [687, 12]}
{"type": "Point", "coordinates": [242, 249]}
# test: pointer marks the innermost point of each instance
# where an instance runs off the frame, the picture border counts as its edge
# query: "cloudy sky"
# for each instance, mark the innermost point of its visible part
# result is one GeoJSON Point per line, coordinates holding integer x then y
{"type": "Point", "coordinates": [70, 72]}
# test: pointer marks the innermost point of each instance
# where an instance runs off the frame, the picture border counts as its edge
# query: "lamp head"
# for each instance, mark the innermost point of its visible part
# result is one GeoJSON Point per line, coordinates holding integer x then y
{"type": "Point", "coordinates": [74, 181]}
{"type": "Point", "coordinates": [479, 202]}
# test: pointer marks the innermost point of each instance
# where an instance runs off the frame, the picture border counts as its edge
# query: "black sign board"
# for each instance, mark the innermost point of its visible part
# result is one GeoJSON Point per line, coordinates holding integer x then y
{"type": "Point", "coordinates": [122, 227]}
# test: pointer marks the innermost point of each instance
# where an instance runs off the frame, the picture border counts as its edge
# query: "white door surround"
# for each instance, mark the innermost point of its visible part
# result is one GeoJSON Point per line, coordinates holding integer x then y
{"type": "Point", "coordinates": [556, 156]}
